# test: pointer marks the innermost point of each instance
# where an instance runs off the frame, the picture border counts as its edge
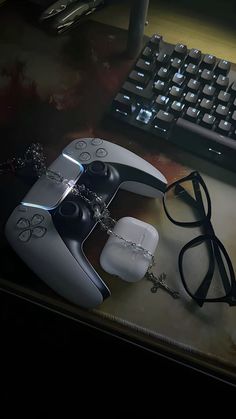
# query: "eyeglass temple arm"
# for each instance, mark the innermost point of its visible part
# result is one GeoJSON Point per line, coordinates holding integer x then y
{"type": "Point", "coordinates": [214, 248]}
{"type": "Point", "coordinates": [195, 203]}
{"type": "Point", "coordinates": [225, 279]}
{"type": "Point", "coordinates": [185, 196]}
{"type": "Point", "coordinates": [214, 252]}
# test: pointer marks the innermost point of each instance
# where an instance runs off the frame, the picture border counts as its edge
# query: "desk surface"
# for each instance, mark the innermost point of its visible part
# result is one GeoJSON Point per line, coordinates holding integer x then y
{"type": "Point", "coordinates": [55, 89]}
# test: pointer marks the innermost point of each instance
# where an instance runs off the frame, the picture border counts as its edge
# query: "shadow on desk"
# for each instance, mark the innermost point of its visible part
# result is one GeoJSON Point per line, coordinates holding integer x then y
{"type": "Point", "coordinates": [104, 360]}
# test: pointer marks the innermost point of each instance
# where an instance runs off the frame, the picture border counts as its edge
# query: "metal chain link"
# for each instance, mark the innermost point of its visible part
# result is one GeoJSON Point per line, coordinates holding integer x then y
{"type": "Point", "coordinates": [35, 157]}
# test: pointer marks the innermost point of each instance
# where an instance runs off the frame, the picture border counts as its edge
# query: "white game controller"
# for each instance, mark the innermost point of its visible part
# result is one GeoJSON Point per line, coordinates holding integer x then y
{"type": "Point", "coordinates": [49, 227]}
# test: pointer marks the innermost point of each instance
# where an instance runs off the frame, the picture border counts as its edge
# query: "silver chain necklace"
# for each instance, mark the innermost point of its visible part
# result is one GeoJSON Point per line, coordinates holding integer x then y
{"type": "Point", "coordinates": [35, 158]}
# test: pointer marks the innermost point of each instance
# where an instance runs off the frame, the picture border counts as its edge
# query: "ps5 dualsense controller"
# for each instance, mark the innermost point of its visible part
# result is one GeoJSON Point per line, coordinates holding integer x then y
{"type": "Point", "coordinates": [49, 227]}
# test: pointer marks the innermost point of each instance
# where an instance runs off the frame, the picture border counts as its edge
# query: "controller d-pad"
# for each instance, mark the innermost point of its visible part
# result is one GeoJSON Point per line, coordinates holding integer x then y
{"type": "Point", "coordinates": [39, 232]}
{"type": "Point", "coordinates": [23, 223]}
{"type": "Point", "coordinates": [31, 228]}
{"type": "Point", "coordinates": [25, 235]}
{"type": "Point", "coordinates": [36, 219]}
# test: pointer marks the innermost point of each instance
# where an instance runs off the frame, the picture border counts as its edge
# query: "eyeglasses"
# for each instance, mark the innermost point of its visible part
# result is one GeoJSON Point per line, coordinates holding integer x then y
{"type": "Point", "coordinates": [187, 203]}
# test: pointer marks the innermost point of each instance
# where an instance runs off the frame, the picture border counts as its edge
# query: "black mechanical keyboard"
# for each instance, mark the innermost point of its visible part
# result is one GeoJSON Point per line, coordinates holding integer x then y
{"type": "Point", "coordinates": [184, 96]}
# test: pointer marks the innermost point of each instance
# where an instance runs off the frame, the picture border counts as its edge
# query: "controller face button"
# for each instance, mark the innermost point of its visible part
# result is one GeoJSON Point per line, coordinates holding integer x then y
{"type": "Point", "coordinates": [96, 141]}
{"type": "Point", "coordinates": [101, 152]}
{"type": "Point", "coordinates": [24, 236]}
{"type": "Point", "coordinates": [23, 223]}
{"type": "Point", "coordinates": [69, 209]}
{"type": "Point", "coordinates": [97, 168]}
{"type": "Point", "coordinates": [39, 232]}
{"type": "Point", "coordinates": [80, 145]}
{"type": "Point", "coordinates": [37, 219]}
{"type": "Point", "coordinates": [84, 156]}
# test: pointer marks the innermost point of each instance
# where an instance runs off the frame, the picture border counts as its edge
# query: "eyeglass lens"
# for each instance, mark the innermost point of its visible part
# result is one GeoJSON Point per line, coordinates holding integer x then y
{"type": "Point", "coordinates": [204, 267]}
{"type": "Point", "coordinates": [205, 270]}
{"type": "Point", "coordinates": [186, 202]}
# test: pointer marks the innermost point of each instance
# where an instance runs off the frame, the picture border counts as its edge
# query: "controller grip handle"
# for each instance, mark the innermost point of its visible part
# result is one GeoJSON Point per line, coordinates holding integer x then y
{"type": "Point", "coordinates": [50, 259]}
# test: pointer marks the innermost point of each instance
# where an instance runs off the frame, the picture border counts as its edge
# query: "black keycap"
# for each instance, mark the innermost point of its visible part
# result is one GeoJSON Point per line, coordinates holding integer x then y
{"type": "Point", "coordinates": [138, 77]}
{"type": "Point", "coordinates": [161, 101]}
{"type": "Point", "coordinates": [162, 58]}
{"type": "Point", "coordinates": [177, 108]}
{"type": "Point", "coordinates": [222, 82]}
{"type": "Point", "coordinates": [233, 118]}
{"type": "Point", "coordinates": [191, 69]}
{"type": "Point", "coordinates": [206, 104]}
{"type": "Point", "coordinates": [176, 63]}
{"type": "Point", "coordinates": [208, 120]}
{"type": "Point", "coordinates": [176, 92]}
{"type": "Point", "coordinates": [234, 104]}
{"type": "Point", "coordinates": [178, 79]}
{"type": "Point", "coordinates": [194, 55]}
{"type": "Point", "coordinates": [154, 41]}
{"type": "Point", "coordinates": [145, 65]}
{"type": "Point", "coordinates": [163, 120]}
{"type": "Point", "coordinates": [222, 110]}
{"type": "Point", "coordinates": [209, 61]}
{"type": "Point", "coordinates": [162, 73]}
{"type": "Point", "coordinates": [144, 116]}
{"type": "Point", "coordinates": [159, 86]}
{"type": "Point", "coordinates": [147, 53]}
{"type": "Point", "coordinates": [223, 67]}
{"type": "Point", "coordinates": [206, 75]}
{"type": "Point", "coordinates": [180, 50]}
{"type": "Point", "coordinates": [208, 91]}
{"type": "Point", "coordinates": [191, 98]}
{"type": "Point", "coordinates": [123, 103]}
{"type": "Point", "coordinates": [192, 114]}
{"type": "Point", "coordinates": [224, 127]}
{"type": "Point", "coordinates": [232, 88]}
{"type": "Point", "coordinates": [193, 85]}
{"type": "Point", "coordinates": [137, 90]}
{"type": "Point", "coordinates": [223, 97]}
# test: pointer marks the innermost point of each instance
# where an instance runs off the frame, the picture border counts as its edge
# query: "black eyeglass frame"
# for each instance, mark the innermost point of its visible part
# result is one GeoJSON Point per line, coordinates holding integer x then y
{"type": "Point", "coordinates": [217, 246]}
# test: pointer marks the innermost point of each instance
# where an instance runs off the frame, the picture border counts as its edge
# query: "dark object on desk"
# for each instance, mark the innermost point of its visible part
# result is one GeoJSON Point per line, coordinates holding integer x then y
{"type": "Point", "coordinates": [187, 203]}
{"type": "Point", "coordinates": [65, 14]}
{"type": "Point", "coordinates": [137, 20]}
{"type": "Point", "coordinates": [183, 96]}
{"type": "Point", "coordinates": [61, 15]}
